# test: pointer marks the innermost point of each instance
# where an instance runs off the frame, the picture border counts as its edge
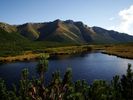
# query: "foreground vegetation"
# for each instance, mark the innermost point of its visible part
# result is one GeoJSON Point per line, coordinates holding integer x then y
{"type": "Point", "coordinates": [120, 88]}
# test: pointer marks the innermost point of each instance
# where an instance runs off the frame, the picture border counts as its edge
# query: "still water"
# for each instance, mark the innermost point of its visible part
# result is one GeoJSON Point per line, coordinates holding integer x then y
{"type": "Point", "coordinates": [89, 66]}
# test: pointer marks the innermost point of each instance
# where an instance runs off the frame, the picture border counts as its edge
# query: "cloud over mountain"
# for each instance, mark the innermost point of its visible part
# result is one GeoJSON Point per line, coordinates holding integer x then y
{"type": "Point", "coordinates": [126, 17]}
{"type": "Point", "coordinates": [124, 21]}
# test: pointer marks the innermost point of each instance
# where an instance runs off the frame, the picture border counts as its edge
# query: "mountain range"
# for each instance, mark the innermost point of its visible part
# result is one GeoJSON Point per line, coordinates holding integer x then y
{"type": "Point", "coordinates": [60, 31]}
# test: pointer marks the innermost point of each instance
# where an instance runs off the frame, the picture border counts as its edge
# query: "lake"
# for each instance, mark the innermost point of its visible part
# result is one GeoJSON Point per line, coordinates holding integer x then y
{"type": "Point", "coordinates": [90, 66]}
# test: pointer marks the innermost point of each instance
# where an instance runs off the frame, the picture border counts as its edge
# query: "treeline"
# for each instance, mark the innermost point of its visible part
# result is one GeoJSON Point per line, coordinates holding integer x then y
{"type": "Point", "coordinates": [120, 88]}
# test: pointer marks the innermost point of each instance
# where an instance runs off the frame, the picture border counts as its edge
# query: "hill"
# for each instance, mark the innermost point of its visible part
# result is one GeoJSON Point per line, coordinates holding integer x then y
{"type": "Point", "coordinates": [63, 32]}
{"type": "Point", "coordinates": [14, 39]}
{"type": "Point", "coordinates": [70, 32]}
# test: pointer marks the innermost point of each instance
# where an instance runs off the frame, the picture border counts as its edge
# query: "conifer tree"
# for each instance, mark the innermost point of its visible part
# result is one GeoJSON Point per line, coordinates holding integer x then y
{"type": "Point", "coordinates": [42, 67]}
{"type": "Point", "coordinates": [127, 84]}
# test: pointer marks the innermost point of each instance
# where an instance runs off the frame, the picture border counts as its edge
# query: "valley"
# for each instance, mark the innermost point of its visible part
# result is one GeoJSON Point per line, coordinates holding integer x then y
{"type": "Point", "coordinates": [66, 50]}
{"type": "Point", "coordinates": [30, 40]}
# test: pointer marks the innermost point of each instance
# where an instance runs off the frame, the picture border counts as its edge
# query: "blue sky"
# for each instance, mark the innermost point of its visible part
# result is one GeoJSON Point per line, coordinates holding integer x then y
{"type": "Point", "coordinates": [109, 14]}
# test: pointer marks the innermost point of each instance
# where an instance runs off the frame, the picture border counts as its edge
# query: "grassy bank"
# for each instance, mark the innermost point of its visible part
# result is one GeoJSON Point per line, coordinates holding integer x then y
{"type": "Point", "coordinates": [20, 57]}
{"type": "Point", "coordinates": [120, 50]}
{"type": "Point", "coordinates": [34, 54]}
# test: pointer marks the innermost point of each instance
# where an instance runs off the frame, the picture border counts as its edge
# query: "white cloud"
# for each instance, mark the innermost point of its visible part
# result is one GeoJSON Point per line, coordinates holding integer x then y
{"type": "Point", "coordinates": [126, 20]}
{"type": "Point", "coordinates": [112, 18]}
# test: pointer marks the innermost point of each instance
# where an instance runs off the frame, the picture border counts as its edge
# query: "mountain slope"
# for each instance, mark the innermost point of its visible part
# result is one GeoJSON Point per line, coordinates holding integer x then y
{"type": "Point", "coordinates": [7, 28]}
{"type": "Point", "coordinates": [11, 42]}
{"type": "Point", "coordinates": [112, 36]}
{"type": "Point", "coordinates": [62, 32]}
{"type": "Point", "coordinates": [8, 33]}
{"type": "Point", "coordinates": [29, 30]}
{"type": "Point", "coordinates": [57, 31]}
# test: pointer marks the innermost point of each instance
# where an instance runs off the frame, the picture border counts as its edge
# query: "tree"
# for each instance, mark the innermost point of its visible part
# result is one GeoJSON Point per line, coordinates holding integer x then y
{"type": "Point", "coordinates": [68, 77]}
{"type": "Point", "coordinates": [82, 88]}
{"type": "Point", "coordinates": [127, 84]}
{"type": "Point", "coordinates": [99, 90]}
{"type": "Point", "coordinates": [116, 88]}
{"type": "Point", "coordinates": [3, 90]}
{"type": "Point", "coordinates": [24, 84]}
{"type": "Point", "coordinates": [56, 78]}
{"type": "Point", "coordinates": [42, 67]}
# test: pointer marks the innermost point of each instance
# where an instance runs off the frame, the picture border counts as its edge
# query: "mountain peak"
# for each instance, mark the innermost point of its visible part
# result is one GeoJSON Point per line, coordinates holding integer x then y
{"type": "Point", "coordinates": [67, 31]}
{"type": "Point", "coordinates": [69, 21]}
{"type": "Point", "coordinates": [81, 24]}
{"type": "Point", "coordinates": [58, 21]}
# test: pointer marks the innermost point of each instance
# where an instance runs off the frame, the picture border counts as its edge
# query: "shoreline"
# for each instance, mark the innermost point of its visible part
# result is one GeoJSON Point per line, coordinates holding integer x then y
{"type": "Point", "coordinates": [31, 57]}
{"type": "Point", "coordinates": [36, 56]}
{"type": "Point", "coordinates": [19, 58]}
{"type": "Point", "coordinates": [115, 50]}
{"type": "Point", "coordinates": [122, 50]}
{"type": "Point", "coordinates": [51, 51]}
{"type": "Point", "coordinates": [117, 55]}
